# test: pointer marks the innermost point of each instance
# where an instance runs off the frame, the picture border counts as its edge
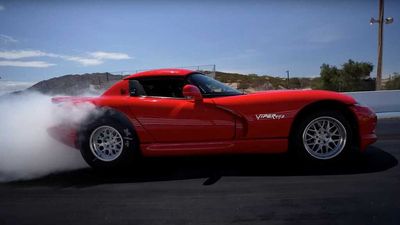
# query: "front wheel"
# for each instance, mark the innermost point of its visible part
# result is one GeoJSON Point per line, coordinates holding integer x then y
{"type": "Point", "coordinates": [323, 136]}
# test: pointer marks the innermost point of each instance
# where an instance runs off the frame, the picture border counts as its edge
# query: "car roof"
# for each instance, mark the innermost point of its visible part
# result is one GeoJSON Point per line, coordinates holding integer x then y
{"type": "Point", "coordinates": [161, 72]}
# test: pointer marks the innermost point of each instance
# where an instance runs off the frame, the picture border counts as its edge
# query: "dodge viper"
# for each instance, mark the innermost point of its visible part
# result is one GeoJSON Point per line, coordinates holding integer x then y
{"type": "Point", "coordinates": [178, 112]}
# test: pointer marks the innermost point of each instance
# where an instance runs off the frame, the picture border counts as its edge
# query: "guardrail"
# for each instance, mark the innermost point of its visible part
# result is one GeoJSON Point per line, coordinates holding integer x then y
{"type": "Point", "coordinates": [382, 102]}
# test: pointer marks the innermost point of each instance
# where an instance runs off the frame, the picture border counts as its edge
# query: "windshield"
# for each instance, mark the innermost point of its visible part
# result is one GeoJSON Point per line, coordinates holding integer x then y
{"type": "Point", "coordinates": [210, 87]}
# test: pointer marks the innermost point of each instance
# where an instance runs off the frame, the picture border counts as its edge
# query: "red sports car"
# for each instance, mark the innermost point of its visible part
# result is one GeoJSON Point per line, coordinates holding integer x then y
{"type": "Point", "coordinates": [177, 112]}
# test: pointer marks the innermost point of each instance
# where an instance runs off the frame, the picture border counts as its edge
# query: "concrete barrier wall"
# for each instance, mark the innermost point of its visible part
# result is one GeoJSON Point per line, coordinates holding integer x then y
{"type": "Point", "coordinates": [379, 101]}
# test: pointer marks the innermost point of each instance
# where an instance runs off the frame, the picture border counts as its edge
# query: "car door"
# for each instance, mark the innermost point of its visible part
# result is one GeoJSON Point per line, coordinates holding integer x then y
{"type": "Point", "coordinates": [170, 118]}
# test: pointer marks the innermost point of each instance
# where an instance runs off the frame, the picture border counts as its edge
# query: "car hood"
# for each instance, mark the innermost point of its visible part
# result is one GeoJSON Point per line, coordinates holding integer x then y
{"type": "Point", "coordinates": [301, 95]}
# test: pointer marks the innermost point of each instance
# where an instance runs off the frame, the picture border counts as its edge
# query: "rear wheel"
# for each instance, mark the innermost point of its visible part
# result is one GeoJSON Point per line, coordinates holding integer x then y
{"type": "Point", "coordinates": [323, 136]}
{"type": "Point", "coordinates": [108, 143]}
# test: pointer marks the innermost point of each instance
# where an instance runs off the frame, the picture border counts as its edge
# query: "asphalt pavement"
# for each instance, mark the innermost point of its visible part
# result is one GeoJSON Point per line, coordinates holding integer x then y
{"type": "Point", "coordinates": [219, 190]}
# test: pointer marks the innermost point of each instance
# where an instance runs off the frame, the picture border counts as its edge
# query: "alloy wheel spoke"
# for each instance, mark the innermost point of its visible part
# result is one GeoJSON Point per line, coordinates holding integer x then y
{"type": "Point", "coordinates": [324, 137]}
{"type": "Point", "coordinates": [106, 143]}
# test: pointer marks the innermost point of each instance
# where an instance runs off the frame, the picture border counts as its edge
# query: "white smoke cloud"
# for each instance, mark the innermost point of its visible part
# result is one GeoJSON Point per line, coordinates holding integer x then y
{"type": "Point", "coordinates": [26, 149]}
{"type": "Point", "coordinates": [11, 86]}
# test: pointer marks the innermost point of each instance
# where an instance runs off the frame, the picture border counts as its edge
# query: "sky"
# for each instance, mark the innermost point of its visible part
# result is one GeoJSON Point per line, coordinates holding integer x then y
{"type": "Point", "coordinates": [44, 39]}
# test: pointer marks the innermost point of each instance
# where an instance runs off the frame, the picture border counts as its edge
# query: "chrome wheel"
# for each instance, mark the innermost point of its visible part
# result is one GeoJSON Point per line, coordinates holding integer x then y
{"type": "Point", "coordinates": [324, 137]}
{"type": "Point", "coordinates": [106, 143]}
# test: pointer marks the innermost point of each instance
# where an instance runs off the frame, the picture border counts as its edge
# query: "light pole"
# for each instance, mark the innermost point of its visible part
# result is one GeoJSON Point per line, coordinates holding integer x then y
{"type": "Point", "coordinates": [380, 21]}
{"type": "Point", "coordinates": [287, 73]}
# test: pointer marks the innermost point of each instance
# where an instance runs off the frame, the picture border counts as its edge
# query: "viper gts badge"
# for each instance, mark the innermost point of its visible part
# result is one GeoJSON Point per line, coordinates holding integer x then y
{"type": "Point", "coordinates": [270, 116]}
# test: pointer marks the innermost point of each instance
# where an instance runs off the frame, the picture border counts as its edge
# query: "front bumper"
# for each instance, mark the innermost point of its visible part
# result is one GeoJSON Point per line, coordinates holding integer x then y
{"type": "Point", "coordinates": [367, 121]}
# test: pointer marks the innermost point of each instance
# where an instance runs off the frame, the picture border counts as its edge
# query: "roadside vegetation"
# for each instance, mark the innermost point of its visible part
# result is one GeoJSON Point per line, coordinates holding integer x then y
{"type": "Point", "coordinates": [393, 82]}
{"type": "Point", "coordinates": [254, 82]}
{"type": "Point", "coordinates": [350, 76]}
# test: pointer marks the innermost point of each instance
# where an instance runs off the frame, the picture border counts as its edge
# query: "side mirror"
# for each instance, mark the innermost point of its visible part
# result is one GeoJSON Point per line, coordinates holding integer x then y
{"type": "Point", "coordinates": [192, 92]}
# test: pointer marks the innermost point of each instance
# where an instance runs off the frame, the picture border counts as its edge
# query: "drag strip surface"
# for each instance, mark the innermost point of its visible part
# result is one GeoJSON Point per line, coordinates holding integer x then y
{"type": "Point", "coordinates": [219, 190]}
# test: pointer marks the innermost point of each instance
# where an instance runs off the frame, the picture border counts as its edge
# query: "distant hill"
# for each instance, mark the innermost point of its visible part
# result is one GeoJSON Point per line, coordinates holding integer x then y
{"type": "Point", "coordinates": [254, 82]}
{"type": "Point", "coordinates": [86, 84]}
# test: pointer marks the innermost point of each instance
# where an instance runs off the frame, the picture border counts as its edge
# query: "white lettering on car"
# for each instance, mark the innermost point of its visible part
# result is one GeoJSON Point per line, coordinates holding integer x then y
{"type": "Point", "coordinates": [270, 116]}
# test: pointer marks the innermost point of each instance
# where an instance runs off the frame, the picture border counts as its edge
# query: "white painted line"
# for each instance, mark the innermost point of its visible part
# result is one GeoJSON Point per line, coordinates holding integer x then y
{"type": "Point", "coordinates": [387, 115]}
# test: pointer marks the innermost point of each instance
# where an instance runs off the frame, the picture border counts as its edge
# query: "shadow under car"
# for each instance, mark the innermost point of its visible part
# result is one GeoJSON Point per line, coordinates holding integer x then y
{"type": "Point", "coordinates": [215, 167]}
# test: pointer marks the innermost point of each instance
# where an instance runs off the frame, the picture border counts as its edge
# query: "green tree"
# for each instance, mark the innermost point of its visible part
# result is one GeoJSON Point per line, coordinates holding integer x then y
{"type": "Point", "coordinates": [330, 77]}
{"type": "Point", "coordinates": [353, 76]}
{"type": "Point", "coordinates": [316, 83]}
{"type": "Point", "coordinates": [394, 82]}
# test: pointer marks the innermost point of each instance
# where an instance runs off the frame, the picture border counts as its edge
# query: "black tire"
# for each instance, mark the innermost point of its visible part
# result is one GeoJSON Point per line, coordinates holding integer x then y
{"type": "Point", "coordinates": [108, 121]}
{"type": "Point", "coordinates": [302, 141]}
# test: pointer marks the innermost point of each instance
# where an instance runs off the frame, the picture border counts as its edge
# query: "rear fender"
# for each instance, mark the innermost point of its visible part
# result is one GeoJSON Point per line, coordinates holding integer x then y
{"type": "Point", "coordinates": [101, 114]}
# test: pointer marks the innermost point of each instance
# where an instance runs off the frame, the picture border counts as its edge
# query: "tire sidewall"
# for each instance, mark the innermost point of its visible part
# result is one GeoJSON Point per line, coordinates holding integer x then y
{"type": "Point", "coordinates": [130, 142]}
{"type": "Point", "coordinates": [297, 141]}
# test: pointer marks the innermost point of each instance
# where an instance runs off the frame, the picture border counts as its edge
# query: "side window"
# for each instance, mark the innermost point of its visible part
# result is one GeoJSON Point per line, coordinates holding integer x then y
{"type": "Point", "coordinates": [157, 86]}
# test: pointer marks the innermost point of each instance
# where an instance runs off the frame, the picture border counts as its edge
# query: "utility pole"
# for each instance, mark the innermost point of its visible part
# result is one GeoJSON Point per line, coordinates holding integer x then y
{"type": "Point", "coordinates": [214, 71]}
{"type": "Point", "coordinates": [381, 22]}
{"type": "Point", "coordinates": [380, 47]}
{"type": "Point", "coordinates": [288, 76]}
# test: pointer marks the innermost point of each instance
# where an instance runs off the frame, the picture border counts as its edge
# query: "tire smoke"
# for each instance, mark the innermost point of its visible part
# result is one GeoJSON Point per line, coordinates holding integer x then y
{"type": "Point", "coordinates": [26, 149]}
